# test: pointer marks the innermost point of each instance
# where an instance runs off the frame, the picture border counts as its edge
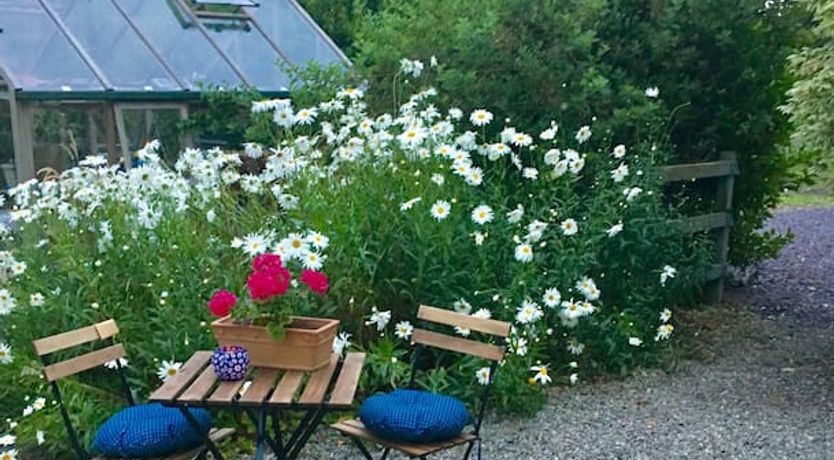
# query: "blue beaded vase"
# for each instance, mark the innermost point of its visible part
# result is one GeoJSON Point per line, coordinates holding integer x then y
{"type": "Point", "coordinates": [230, 362]}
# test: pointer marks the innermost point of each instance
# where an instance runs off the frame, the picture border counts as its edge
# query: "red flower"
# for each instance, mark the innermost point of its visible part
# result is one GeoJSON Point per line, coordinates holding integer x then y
{"type": "Point", "coordinates": [266, 284]}
{"type": "Point", "coordinates": [221, 303]}
{"type": "Point", "coordinates": [316, 281]}
{"type": "Point", "coordinates": [265, 262]}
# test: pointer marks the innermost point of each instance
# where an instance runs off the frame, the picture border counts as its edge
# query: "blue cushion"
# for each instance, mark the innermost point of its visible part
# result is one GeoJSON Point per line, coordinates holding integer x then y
{"type": "Point", "coordinates": [150, 430]}
{"type": "Point", "coordinates": [414, 416]}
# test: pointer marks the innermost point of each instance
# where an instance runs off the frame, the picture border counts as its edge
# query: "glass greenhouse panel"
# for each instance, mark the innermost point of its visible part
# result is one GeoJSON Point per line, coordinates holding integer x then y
{"type": "Point", "coordinates": [182, 45]}
{"type": "Point", "coordinates": [294, 33]}
{"type": "Point", "coordinates": [114, 46]}
{"type": "Point", "coordinates": [249, 49]}
{"type": "Point", "coordinates": [36, 54]}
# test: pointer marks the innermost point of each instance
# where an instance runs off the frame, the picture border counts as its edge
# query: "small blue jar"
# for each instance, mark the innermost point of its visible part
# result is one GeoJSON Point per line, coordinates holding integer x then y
{"type": "Point", "coordinates": [230, 362]}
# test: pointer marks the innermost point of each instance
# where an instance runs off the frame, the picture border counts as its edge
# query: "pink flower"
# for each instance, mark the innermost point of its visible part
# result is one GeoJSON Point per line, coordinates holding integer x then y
{"type": "Point", "coordinates": [265, 262]}
{"type": "Point", "coordinates": [266, 284]}
{"type": "Point", "coordinates": [222, 302]}
{"type": "Point", "coordinates": [316, 281]}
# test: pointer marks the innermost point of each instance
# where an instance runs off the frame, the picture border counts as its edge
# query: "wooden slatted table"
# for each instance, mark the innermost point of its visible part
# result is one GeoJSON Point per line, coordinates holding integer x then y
{"type": "Point", "coordinates": [266, 393]}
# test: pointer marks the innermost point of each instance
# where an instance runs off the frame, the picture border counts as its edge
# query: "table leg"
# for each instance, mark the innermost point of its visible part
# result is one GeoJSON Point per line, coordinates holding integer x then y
{"type": "Point", "coordinates": [259, 419]}
{"type": "Point", "coordinates": [259, 445]}
{"type": "Point", "coordinates": [304, 432]}
{"type": "Point", "coordinates": [196, 425]}
{"type": "Point", "coordinates": [280, 454]}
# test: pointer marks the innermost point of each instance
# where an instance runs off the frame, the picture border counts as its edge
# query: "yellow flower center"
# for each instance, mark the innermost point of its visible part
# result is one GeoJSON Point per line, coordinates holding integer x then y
{"type": "Point", "coordinates": [172, 372]}
{"type": "Point", "coordinates": [296, 244]}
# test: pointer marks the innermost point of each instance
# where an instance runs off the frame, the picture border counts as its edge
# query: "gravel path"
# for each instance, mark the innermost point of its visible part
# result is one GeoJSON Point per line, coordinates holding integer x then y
{"type": "Point", "coordinates": [800, 283]}
{"type": "Point", "coordinates": [759, 384]}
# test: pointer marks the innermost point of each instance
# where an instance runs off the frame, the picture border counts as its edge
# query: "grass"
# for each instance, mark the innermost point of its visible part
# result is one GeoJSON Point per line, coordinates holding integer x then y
{"type": "Point", "coordinates": [820, 194]}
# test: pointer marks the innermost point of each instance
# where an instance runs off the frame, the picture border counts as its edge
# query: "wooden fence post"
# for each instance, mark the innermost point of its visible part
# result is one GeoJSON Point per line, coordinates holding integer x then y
{"type": "Point", "coordinates": [723, 203]}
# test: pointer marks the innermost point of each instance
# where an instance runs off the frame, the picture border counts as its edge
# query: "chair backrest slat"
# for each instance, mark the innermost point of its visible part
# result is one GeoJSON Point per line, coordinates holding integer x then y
{"type": "Point", "coordinates": [450, 318]}
{"type": "Point", "coordinates": [83, 362]}
{"type": "Point", "coordinates": [448, 342]}
{"type": "Point", "coordinates": [58, 342]}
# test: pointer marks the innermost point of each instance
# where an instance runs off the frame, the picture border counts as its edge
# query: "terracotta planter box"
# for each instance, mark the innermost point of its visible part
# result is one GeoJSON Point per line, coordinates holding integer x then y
{"type": "Point", "coordinates": [307, 343]}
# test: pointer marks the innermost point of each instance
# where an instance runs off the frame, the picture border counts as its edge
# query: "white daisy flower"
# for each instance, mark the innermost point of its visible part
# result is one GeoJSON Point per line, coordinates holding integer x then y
{"type": "Point", "coordinates": [575, 348]}
{"type": "Point", "coordinates": [550, 133]}
{"type": "Point", "coordinates": [635, 341]}
{"type": "Point", "coordinates": [403, 329]}
{"type": "Point", "coordinates": [18, 268]}
{"type": "Point", "coordinates": [318, 240]}
{"type": "Point", "coordinates": [462, 306]}
{"type": "Point", "coordinates": [583, 134]}
{"type": "Point", "coordinates": [482, 375]}
{"type": "Point", "coordinates": [569, 227]}
{"type": "Point", "coordinates": [482, 313]}
{"type": "Point", "coordinates": [475, 176]}
{"type": "Point", "coordinates": [541, 377]}
{"type": "Point", "coordinates": [653, 92]}
{"type": "Point", "coordinates": [552, 157]}
{"type": "Point", "coordinates": [380, 319]}
{"type": "Point", "coordinates": [619, 151]}
{"type": "Point", "coordinates": [114, 364]}
{"type": "Point", "coordinates": [40, 437]}
{"type": "Point", "coordinates": [254, 244]}
{"type": "Point", "coordinates": [405, 206]}
{"type": "Point", "coordinates": [5, 354]}
{"type": "Point", "coordinates": [552, 297]}
{"type": "Point", "coordinates": [306, 116]}
{"type": "Point", "coordinates": [666, 315]}
{"type": "Point", "coordinates": [312, 260]}
{"type": "Point", "coordinates": [667, 273]}
{"type": "Point", "coordinates": [440, 209]}
{"type": "Point", "coordinates": [573, 378]}
{"type": "Point", "coordinates": [9, 455]}
{"type": "Point", "coordinates": [253, 150]}
{"type": "Point", "coordinates": [530, 173]}
{"type": "Point", "coordinates": [516, 214]}
{"type": "Point", "coordinates": [479, 238]}
{"type": "Point", "coordinates": [211, 215]}
{"type": "Point", "coordinates": [480, 117]}
{"type": "Point", "coordinates": [632, 192]}
{"type": "Point", "coordinates": [341, 342]}
{"type": "Point", "coordinates": [7, 440]}
{"type": "Point", "coordinates": [524, 253]}
{"type": "Point", "coordinates": [619, 174]}
{"type": "Point", "coordinates": [168, 369]}
{"type": "Point", "coordinates": [529, 312]}
{"type": "Point", "coordinates": [664, 331]}
{"type": "Point", "coordinates": [37, 299]}
{"type": "Point", "coordinates": [438, 179]}
{"type": "Point", "coordinates": [615, 229]}
{"type": "Point", "coordinates": [482, 214]}
{"type": "Point", "coordinates": [521, 140]}
{"type": "Point", "coordinates": [7, 302]}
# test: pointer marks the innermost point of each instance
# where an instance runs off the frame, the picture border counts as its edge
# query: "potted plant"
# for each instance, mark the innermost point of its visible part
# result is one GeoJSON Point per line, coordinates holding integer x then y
{"type": "Point", "coordinates": [263, 322]}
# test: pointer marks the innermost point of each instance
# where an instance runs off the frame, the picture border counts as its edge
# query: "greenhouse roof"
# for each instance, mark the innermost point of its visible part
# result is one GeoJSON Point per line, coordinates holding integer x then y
{"type": "Point", "coordinates": [153, 49]}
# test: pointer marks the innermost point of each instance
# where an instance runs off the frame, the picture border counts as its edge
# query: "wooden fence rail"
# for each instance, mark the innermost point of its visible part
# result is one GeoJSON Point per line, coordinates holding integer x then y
{"type": "Point", "coordinates": [719, 222]}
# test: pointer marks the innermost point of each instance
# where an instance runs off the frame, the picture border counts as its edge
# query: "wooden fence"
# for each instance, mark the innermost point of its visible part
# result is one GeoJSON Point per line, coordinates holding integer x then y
{"type": "Point", "coordinates": [719, 222]}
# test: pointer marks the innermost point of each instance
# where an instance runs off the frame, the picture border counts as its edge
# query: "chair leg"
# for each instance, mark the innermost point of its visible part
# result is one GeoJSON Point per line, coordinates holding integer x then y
{"type": "Point", "coordinates": [361, 447]}
{"type": "Point", "coordinates": [468, 450]}
{"type": "Point", "coordinates": [385, 453]}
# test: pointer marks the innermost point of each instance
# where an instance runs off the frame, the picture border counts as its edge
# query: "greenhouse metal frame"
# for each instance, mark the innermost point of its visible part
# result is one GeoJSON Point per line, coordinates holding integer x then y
{"type": "Point", "coordinates": [108, 58]}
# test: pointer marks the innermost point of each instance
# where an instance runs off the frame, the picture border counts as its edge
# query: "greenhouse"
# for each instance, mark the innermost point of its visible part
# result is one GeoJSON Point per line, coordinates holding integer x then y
{"type": "Point", "coordinates": [71, 86]}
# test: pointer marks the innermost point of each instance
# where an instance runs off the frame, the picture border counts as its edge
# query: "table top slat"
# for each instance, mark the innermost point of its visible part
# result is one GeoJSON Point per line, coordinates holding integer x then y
{"type": "Point", "coordinates": [188, 372]}
{"type": "Point", "coordinates": [261, 386]}
{"type": "Point", "coordinates": [287, 388]}
{"type": "Point", "coordinates": [348, 380]}
{"type": "Point", "coordinates": [319, 381]}
{"type": "Point", "coordinates": [226, 392]}
{"type": "Point", "coordinates": [200, 388]}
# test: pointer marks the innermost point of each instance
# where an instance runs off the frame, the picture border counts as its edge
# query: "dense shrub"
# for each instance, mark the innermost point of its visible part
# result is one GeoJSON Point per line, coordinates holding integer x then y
{"type": "Point", "coordinates": [719, 67]}
{"type": "Point", "coordinates": [811, 97]}
{"type": "Point", "coordinates": [403, 199]}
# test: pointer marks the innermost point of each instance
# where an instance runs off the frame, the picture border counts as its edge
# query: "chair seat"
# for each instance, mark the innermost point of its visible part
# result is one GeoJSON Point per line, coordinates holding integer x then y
{"type": "Point", "coordinates": [216, 435]}
{"type": "Point", "coordinates": [357, 429]}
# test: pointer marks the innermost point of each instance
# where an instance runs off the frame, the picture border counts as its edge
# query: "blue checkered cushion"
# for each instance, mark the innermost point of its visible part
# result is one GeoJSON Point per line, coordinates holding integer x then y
{"type": "Point", "coordinates": [149, 430]}
{"type": "Point", "coordinates": [414, 416]}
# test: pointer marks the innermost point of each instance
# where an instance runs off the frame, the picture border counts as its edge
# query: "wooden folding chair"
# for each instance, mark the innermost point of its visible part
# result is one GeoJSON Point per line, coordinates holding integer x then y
{"type": "Point", "coordinates": [357, 432]}
{"type": "Point", "coordinates": [103, 331]}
